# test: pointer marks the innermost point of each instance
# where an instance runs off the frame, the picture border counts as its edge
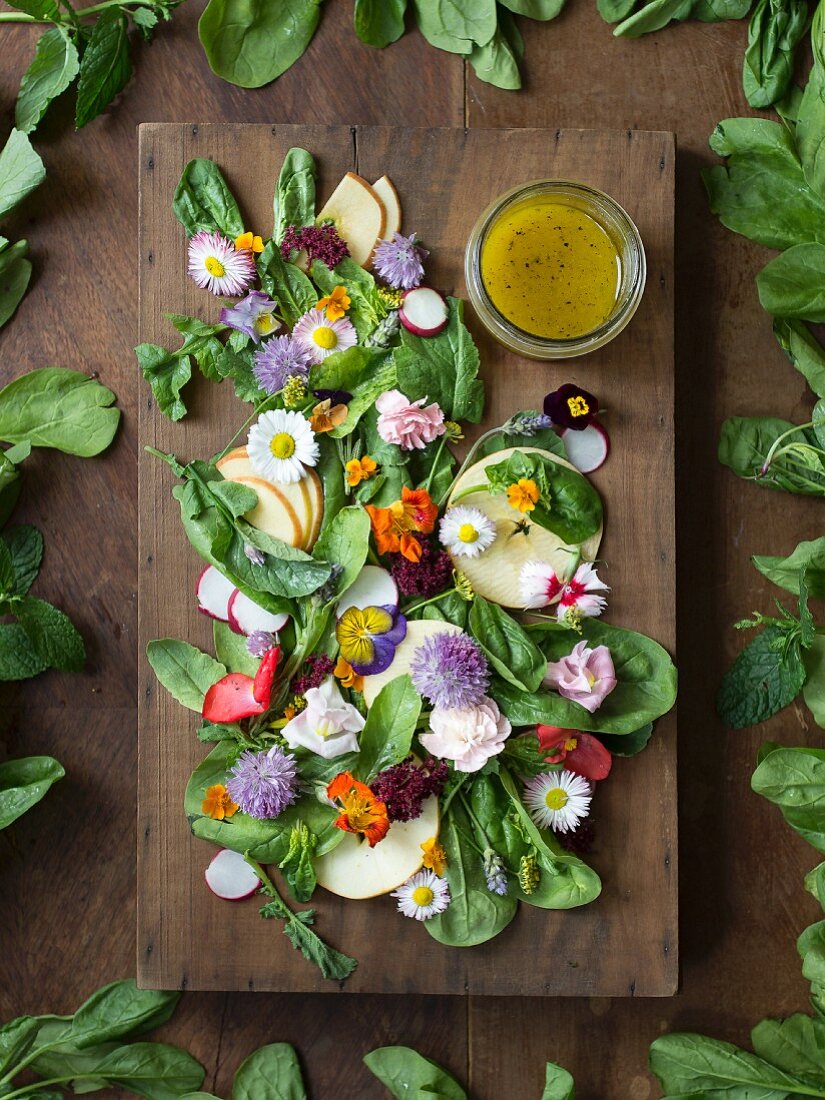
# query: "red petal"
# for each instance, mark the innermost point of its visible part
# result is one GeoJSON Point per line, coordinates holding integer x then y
{"type": "Point", "coordinates": [262, 688]}
{"type": "Point", "coordinates": [590, 758]}
{"type": "Point", "coordinates": [552, 740]}
{"type": "Point", "coordinates": [231, 699]}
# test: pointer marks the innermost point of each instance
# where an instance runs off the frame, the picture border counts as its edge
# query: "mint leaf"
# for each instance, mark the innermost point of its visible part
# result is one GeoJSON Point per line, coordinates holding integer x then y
{"type": "Point", "coordinates": [7, 579]}
{"type": "Point", "coordinates": [23, 783]}
{"type": "Point", "coordinates": [21, 170]}
{"type": "Point", "coordinates": [105, 69]}
{"type": "Point", "coordinates": [25, 544]}
{"type": "Point", "coordinates": [764, 678]}
{"type": "Point", "coordinates": [52, 634]}
{"type": "Point", "coordinates": [18, 657]}
{"type": "Point", "coordinates": [56, 64]}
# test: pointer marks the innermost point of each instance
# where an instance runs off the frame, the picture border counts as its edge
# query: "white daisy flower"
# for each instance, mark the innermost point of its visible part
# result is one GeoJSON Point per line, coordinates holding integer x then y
{"type": "Point", "coordinates": [281, 446]}
{"type": "Point", "coordinates": [558, 800]}
{"type": "Point", "coordinates": [215, 264]}
{"type": "Point", "coordinates": [466, 532]}
{"type": "Point", "coordinates": [541, 586]}
{"type": "Point", "coordinates": [423, 896]}
{"type": "Point", "coordinates": [321, 337]}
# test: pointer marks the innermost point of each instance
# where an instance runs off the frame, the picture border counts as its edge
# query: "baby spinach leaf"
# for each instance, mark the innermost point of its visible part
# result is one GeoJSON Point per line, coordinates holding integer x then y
{"type": "Point", "coordinates": [294, 202]}
{"type": "Point", "coordinates": [627, 744]}
{"type": "Point", "coordinates": [811, 948]}
{"type": "Point", "coordinates": [118, 1011]}
{"type": "Point", "coordinates": [815, 883]}
{"type": "Point", "coordinates": [774, 32]}
{"type": "Point", "coordinates": [386, 738]}
{"type": "Point", "coordinates": [744, 445]}
{"type": "Point", "coordinates": [18, 658]}
{"type": "Point", "coordinates": [657, 14]}
{"type": "Point", "coordinates": [785, 572]}
{"type": "Point", "coordinates": [558, 1084]}
{"type": "Point", "coordinates": [105, 68]}
{"type": "Point", "coordinates": [60, 408]}
{"type": "Point", "coordinates": [271, 1073]}
{"type": "Point", "coordinates": [22, 784]}
{"type": "Point", "coordinates": [154, 1070]}
{"type": "Point", "coordinates": [185, 672]}
{"type": "Point", "coordinates": [455, 26]}
{"type": "Point", "coordinates": [21, 170]}
{"type": "Point", "coordinates": [251, 42]}
{"type": "Point", "coordinates": [686, 1064]}
{"type": "Point", "coordinates": [794, 780]}
{"type": "Point", "coordinates": [407, 1074]}
{"type": "Point", "coordinates": [51, 633]}
{"type": "Point", "coordinates": [382, 378]}
{"type": "Point", "coordinates": [805, 352]}
{"type": "Point", "coordinates": [15, 273]}
{"type": "Point", "coordinates": [765, 677]}
{"type": "Point", "coordinates": [794, 1045]}
{"type": "Point", "coordinates": [56, 63]}
{"type": "Point", "coordinates": [203, 201]}
{"type": "Point", "coordinates": [534, 9]}
{"type": "Point", "coordinates": [569, 505]}
{"type": "Point", "coordinates": [496, 62]}
{"type": "Point", "coordinates": [789, 285]}
{"type": "Point", "coordinates": [345, 542]}
{"type": "Point", "coordinates": [379, 22]}
{"type": "Point", "coordinates": [286, 284]}
{"type": "Point", "coordinates": [345, 370]}
{"type": "Point", "coordinates": [810, 129]}
{"type": "Point", "coordinates": [509, 649]}
{"type": "Point", "coordinates": [16, 1038]}
{"type": "Point", "coordinates": [813, 690]}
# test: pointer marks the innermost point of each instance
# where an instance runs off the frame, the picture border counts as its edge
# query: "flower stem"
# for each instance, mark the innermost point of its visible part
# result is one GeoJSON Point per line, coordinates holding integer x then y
{"type": "Point", "coordinates": [256, 412]}
{"type": "Point", "coordinates": [436, 457]}
{"type": "Point", "coordinates": [470, 456]}
{"type": "Point", "coordinates": [424, 603]}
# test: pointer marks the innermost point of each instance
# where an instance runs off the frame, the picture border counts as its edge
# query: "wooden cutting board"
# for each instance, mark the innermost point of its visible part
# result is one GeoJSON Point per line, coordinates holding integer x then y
{"type": "Point", "coordinates": [625, 943]}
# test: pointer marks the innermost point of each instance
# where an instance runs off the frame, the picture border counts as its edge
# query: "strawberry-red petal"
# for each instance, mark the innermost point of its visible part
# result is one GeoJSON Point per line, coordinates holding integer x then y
{"type": "Point", "coordinates": [231, 699]}
{"type": "Point", "coordinates": [264, 677]}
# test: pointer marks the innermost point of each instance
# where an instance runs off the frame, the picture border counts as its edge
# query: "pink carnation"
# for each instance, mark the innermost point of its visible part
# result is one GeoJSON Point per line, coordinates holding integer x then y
{"type": "Point", "coordinates": [408, 423]}
{"type": "Point", "coordinates": [585, 676]}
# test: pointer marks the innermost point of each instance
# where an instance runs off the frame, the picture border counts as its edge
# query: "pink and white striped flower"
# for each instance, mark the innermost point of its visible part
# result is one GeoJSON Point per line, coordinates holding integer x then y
{"type": "Point", "coordinates": [215, 264]}
{"type": "Point", "coordinates": [541, 586]}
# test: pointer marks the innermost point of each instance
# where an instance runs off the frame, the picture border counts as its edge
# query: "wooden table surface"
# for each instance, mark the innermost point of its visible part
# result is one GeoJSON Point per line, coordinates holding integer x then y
{"type": "Point", "coordinates": [68, 868]}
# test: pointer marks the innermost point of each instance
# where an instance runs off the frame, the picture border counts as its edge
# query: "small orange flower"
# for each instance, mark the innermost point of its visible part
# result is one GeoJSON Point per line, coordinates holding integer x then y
{"type": "Point", "coordinates": [326, 416]}
{"type": "Point", "coordinates": [523, 495]}
{"type": "Point", "coordinates": [435, 858]}
{"type": "Point", "coordinates": [393, 527]}
{"type": "Point", "coordinates": [217, 804]}
{"type": "Point", "coordinates": [362, 811]}
{"type": "Point", "coordinates": [348, 676]}
{"type": "Point", "coordinates": [249, 242]}
{"type": "Point", "coordinates": [360, 469]}
{"type": "Point", "coordinates": [336, 304]}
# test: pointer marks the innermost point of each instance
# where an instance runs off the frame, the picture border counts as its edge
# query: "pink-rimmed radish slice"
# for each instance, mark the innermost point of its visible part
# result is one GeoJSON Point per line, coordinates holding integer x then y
{"type": "Point", "coordinates": [587, 449]}
{"type": "Point", "coordinates": [245, 616]}
{"type": "Point", "coordinates": [423, 311]}
{"type": "Point", "coordinates": [373, 587]}
{"type": "Point", "coordinates": [214, 592]}
{"type": "Point", "coordinates": [230, 877]}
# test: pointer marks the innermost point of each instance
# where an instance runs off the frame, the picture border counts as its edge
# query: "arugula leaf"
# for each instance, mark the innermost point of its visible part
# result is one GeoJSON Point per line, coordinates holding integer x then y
{"type": "Point", "coordinates": [203, 201]}
{"type": "Point", "coordinates": [167, 372]}
{"type": "Point", "coordinates": [105, 68]}
{"type": "Point", "coordinates": [56, 63]}
{"type": "Point", "coordinates": [387, 735]}
{"type": "Point", "coordinates": [25, 545]}
{"type": "Point", "coordinates": [185, 672]}
{"type": "Point", "coordinates": [15, 274]}
{"type": "Point", "coordinates": [406, 1073]}
{"type": "Point", "coordinates": [52, 634]}
{"type": "Point", "coordinates": [271, 1073]}
{"type": "Point", "coordinates": [765, 677]}
{"type": "Point", "coordinates": [22, 784]}
{"type": "Point", "coordinates": [294, 202]}
{"type": "Point", "coordinates": [21, 170]}
{"type": "Point", "coordinates": [60, 408]}
{"type": "Point", "coordinates": [297, 863]}
{"type": "Point", "coordinates": [252, 42]}
{"type": "Point", "coordinates": [379, 22]}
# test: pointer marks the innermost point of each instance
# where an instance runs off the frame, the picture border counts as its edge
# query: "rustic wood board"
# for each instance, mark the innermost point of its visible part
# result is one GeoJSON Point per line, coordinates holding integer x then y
{"type": "Point", "coordinates": [626, 942]}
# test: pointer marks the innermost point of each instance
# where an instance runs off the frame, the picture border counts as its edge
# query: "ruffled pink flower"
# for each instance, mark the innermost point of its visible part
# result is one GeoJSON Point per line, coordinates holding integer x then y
{"type": "Point", "coordinates": [408, 423]}
{"type": "Point", "coordinates": [585, 676]}
{"type": "Point", "coordinates": [468, 736]}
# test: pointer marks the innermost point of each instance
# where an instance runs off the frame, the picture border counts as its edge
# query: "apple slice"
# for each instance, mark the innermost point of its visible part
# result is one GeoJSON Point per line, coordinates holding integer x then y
{"type": "Point", "coordinates": [424, 311]}
{"type": "Point", "coordinates": [354, 870]}
{"type": "Point", "coordinates": [385, 190]}
{"type": "Point", "coordinates": [302, 501]}
{"type": "Point", "coordinates": [214, 592]}
{"type": "Point", "coordinates": [246, 616]}
{"type": "Point", "coordinates": [417, 631]}
{"type": "Point", "coordinates": [495, 573]}
{"type": "Point", "coordinates": [358, 215]}
{"type": "Point", "coordinates": [230, 877]}
{"type": "Point", "coordinates": [373, 587]}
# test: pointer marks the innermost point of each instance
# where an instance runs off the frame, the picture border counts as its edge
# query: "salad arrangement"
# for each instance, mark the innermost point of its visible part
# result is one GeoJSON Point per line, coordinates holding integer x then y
{"type": "Point", "coordinates": [413, 692]}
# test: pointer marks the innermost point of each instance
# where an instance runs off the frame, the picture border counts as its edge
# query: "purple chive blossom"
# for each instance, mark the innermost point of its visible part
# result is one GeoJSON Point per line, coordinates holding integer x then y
{"type": "Point", "coordinates": [279, 359]}
{"type": "Point", "coordinates": [320, 242]}
{"type": "Point", "coordinates": [450, 671]}
{"type": "Point", "coordinates": [256, 556]}
{"type": "Point", "coordinates": [264, 783]}
{"type": "Point", "coordinates": [253, 315]}
{"type": "Point", "coordinates": [260, 642]}
{"type": "Point", "coordinates": [495, 873]}
{"type": "Point", "coordinates": [399, 262]}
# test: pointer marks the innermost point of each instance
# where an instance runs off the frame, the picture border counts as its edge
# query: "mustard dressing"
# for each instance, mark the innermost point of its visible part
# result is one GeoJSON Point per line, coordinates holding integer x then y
{"type": "Point", "coordinates": [551, 269]}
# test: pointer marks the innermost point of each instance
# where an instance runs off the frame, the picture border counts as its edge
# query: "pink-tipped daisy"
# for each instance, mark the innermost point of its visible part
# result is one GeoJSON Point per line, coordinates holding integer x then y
{"type": "Point", "coordinates": [320, 337]}
{"type": "Point", "coordinates": [423, 896]}
{"type": "Point", "coordinates": [542, 586]}
{"type": "Point", "coordinates": [215, 264]}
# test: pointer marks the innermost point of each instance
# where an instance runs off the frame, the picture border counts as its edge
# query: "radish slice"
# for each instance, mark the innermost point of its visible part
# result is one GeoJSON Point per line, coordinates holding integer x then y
{"type": "Point", "coordinates": [214, 592]}
{"type": "Point", "coordinates": [230, 877]}
{"type": "Point", "coordinates": [587, 449]}
{"type": "Point", "coordinates": [373, 587]}
{"type": "Point", "coordinates": [244, 616]}
{"type": "Point", "coordinates": [423, 311]}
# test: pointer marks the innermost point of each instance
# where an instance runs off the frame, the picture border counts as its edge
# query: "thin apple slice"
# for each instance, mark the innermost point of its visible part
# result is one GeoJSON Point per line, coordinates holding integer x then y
{"type": "Point", "coordinates": [230, 877]}
{"type": "Point", "coordinates": [246, 616]}
{"type": "Point", "coordinates": [417, 631]}
{"type": "Point", "coordinates": [385, 189]}
{"type": "Point", "coordinates": [304, 499]}
{"type": "Point", "coordinates": [274, 514]}
{"type": "Point", "coordinates": [214, 592]}
{"type": "Point", "coordinates": [354, 870]}
{"type": "Point", "coordinates": [373, 587]}
{"type": "Point", "coordinates": [358, 215]}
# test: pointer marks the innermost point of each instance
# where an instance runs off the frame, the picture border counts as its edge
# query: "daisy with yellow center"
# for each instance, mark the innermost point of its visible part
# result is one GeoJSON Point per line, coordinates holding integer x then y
{"type": "Point", "coordinates": [335, 304]}
{"type": "Point", "coordinates": [215, 264]}
{"type": "Point", "coordinates": [466, 532]}
{"type": "Point", "coordinates": [423, 896]}
{"type": "Point", "coordinates": [281, 446]}
{"type": "Point", "coordinates": [523, 495]}
{"type": "Point", "coordinates": [360, 469]}
{"type": "Point", "coordinates": [558, 800]}
{"type": "Point", "coordinates": [320, 337]}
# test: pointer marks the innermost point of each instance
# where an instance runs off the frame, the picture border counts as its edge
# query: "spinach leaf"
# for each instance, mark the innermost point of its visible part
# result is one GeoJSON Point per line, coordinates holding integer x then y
{"type": "Point", "coordinates": [251, 42]}
{"type": "Point", "coordinates": [658, 13]}
{"type": "Point", "coordinates": [813, 690]}
{"type": "Point", "coordinates": [805, 352]}
{"type": "Point", "coordinates": [294, 202]}
{"type": "Point", "coordinates": [25, 547]}
{"type": "Point", "coordinates": [379, 22]}
{"type": "Point", "coordinates": [794, 1045]}
{"type": "Point", "coordinates": [15, 273]}
{"type": "Point", "coordinates": [407, 1074]}
{"type": "Point", "coordinates": [185, 672]}
{"type": "Point", "coordinates": [789, 285]}
{"type": "Point", "coordinates": [203, 200]}
{"type": "Point", "coordinates": [496, 62]}
{"type": "Point", "coordinates": [808, 557]}
{"type": "Point", "coordinates": [286, 283]}
{"type": "Point", "coordinates": [105, 68]}
{"type": "Point", "coordinates": [810, 129]}
{"type": "Point", "coordinates": [686, 1064]}
{"type": "Point", "coordinates": [382, 378]}
{"type": "Point", "coordinates": [10, 478]}
{"type": "Point", "coordinates": [508, 647]}
{"type": "Point", "coordinates": [794, 780]}
{"type": "Point", "coordinates": [534, 9]}
{"type": "Point", "coordinates": [16, 1038]}
{"type": "Point", "coordinates": [558, 1084]}
{"type": "Point", "coordinates": [811, 948]}
{"type": "Point", "coordinates": [167, 372]}
{"type": "Point", "coordinates": [21, 170]}
{"type": "Point", "coordinates": [118, 1011]}
{"type": "Point", "coordinates": [22, 784]}
{"type": "Point", "coordinates": [454, 26]}
{"type": "Point", "coordinates": [765, 677]}
{"type": "Point", "coordinates": [154, 1070]}
{"type": "Point", "coordinates": [345, 542]}
{"type": "Point", "coordinates": [774, 32]}
{"type": "Point", "coordinates": [545, 438]}
{"type": "Point", "coordinates": [332, 481]}
{"type": "Point", "coordinates": [746, 442]}
{"type": "Point", "coordinates": [271, 1073]}
{"type": "Point", "coordinates": [56, 63]}
{"type": "Point", "coordinates": [60, 408]}
{"type": "Point", "coordinates": [51, 634]}
{"type": "Point", "coordinates": [443, 368]}
{"type": "Point", "coordinates": [346, 370]}
{"type": "Point", "coordinates": [387, 735]}
{"type": "Point", "coordinates": [815, 883]}
{"type": "Point", "coordinates": [627, 744]}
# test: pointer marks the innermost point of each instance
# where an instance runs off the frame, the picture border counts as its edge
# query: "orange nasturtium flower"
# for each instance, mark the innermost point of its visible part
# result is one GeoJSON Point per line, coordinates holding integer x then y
{"type": "Point", "coordinates": [523, 494]}
{"type": "Point", "coordinates": [217, 804]}
{"type": "Point", "coordinates": [326, 416]}
{"type": "Point", "coordinates": [361, 811]}
{"type": "Point", "coordinates": [249, 242]}
{"type": "Point", "coordinates": [348, 676]}
{"type": "Point", "coordinates": [395, 527]}
{"type": "Point", "coordinates": [360, 469]}
{"type": "Point", "coordinates": [336, 304]}
{"type": "Point", "coordinates": [435, 858]}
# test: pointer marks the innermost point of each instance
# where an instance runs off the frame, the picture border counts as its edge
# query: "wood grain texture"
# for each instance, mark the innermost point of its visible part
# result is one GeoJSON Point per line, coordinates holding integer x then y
{"type": "Point", "coordinates": [185, 936]}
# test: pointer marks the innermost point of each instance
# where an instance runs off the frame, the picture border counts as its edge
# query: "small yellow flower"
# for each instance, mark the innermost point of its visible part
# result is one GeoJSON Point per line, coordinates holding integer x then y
{"type": "Point", "coordinates": [528, 874]}
{"type": "Point", "coordinates": [393, 298]}
{"type": "Point", "coordinates": [360, 469]}
{"type": "Point", "coordinates": [249, 242]}
{"type": "Point", "coordinates": [523, 495]}
{"type": "Point", "coordinates": [294, 391]}
{"type": "Point", "coordinates": [435, 858]}
{"type": "Point", "coordinates": [348, 676]}
{"type": "Point", "coordinates": [217, 804]}
{"type": "Point", "coordinates": [336, 304]}
{"type": "Point", "coordinates": [453, 431]}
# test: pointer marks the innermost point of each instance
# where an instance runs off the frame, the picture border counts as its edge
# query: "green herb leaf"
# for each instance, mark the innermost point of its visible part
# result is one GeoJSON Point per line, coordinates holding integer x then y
{"type": "Point", "coordinates": [25, 545]}
{"type": "Point", "coordinates": [52, 634]}
{"type": "Point", "coordinates": [105, 68]}
{"type": "Point", "coordinates": [765, 677]}
{"type": "Point", "coordinates": [407, 1074]}
{"type": "Point", "coordinates": [119, 1011]}
{"type": "Point", "coordinates": [22, 784]}
{"type": "Point", "coordinates": [15, 273]}
{"type": "Point", "coordinates": [271, 1073]}
{"type": "Point", "coordinates": [167, 373]}
{"type": "Point", "coordinates": [794, 780]}
{"type": "Point", "coordinates": [387, 735]}
{"type": "Point", "coordinates": [203, 201]}
{"type": "Point", "coordinates": [60, 408]}
{"type": "Point", "coordinates": [558, 1084]}
{"type": "Point", "coordinates": [18, 658]}
{"type": "Point", "coordinates": [294, 202]}
{"type": "Point", "coordinates": [21, 170]}
{"type": "Point", "coordinates": [367, 309]}
{"type": "Point", "coordinates": [251, 42]}
{"type": "Point", "coordinates": [508, 647]}
{"type": "Point", "coordinates": [379, 22]}
{"type": "Point", "coordinates": [185, 672]}
{"type": "Point", "coordinates": [37, 9]}
{"type": "Point", "coordinates": [297, 863]}
{"type": "Point", "coordinates": [805, 352]}
{"type": "Point", "coordinates": [55, 65]}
